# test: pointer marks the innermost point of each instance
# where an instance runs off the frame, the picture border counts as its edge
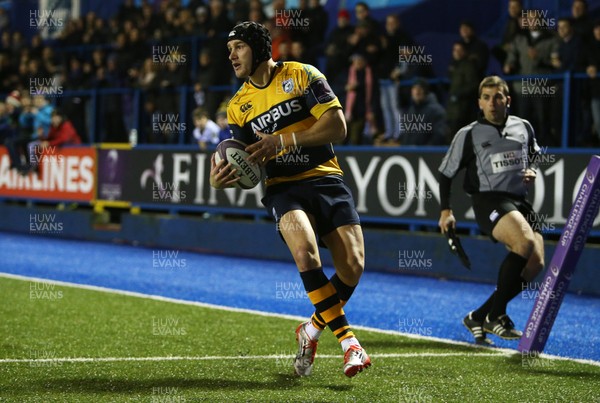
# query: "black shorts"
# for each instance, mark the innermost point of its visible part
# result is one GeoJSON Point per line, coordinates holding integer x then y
{"type": "Point", "coordinates": [327, 198]}
{"type": "Point", "coordinates": [489, 207]}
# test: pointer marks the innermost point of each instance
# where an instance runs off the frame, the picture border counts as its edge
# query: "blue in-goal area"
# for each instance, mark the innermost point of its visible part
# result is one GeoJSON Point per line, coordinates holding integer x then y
{"type": "Point", "coordinates": [408, 304]}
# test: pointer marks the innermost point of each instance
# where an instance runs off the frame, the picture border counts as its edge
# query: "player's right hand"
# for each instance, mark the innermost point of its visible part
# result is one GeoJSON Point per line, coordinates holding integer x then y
{"type": "Point", "coordinates": [447, 220]}
{"type": "Point", "coordinates": [222, 175]}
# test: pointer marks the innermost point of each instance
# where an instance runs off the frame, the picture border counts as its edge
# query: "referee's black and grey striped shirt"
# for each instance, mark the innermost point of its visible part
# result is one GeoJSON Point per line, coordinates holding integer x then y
{"type": "Point", "coordinates": [494, 158]}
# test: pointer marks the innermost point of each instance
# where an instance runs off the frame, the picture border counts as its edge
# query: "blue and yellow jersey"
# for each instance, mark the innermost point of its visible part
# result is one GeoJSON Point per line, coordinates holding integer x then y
{"type": "Point", "coordinates": [293, 100]}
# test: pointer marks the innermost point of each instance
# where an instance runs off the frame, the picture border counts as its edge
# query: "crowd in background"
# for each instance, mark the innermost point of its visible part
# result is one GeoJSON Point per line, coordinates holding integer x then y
{"type": "Point", "coordinates": [149, 48]}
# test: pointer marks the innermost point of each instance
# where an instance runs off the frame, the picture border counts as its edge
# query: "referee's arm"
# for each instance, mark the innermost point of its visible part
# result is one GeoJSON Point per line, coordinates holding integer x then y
{"type": "Point", "coordinates": [455, 159]}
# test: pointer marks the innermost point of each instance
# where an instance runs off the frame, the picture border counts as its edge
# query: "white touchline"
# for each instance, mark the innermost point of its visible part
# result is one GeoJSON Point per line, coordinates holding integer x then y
{"type": "Point", "coordinates": [238, 357]}
{"type": "Point", "coordinates": [503, 351]}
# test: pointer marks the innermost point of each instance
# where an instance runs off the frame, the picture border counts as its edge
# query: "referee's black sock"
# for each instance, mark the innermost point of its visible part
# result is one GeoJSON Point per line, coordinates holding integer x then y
{"type": "Point", "coordinates": [480, 313]}
{"type": "Point", "coordinates": [510, 283]}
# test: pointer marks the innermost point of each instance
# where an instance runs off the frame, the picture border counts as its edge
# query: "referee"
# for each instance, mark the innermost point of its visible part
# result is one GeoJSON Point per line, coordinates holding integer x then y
{"type": "Point", "coordinates": [498, 152]}
{"type": "Point", "coordinates": [288, 115]}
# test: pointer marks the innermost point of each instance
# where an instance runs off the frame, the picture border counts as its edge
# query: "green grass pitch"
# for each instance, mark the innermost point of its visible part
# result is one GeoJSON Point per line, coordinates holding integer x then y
{"type": "Point", "coordinates": [68, 344]}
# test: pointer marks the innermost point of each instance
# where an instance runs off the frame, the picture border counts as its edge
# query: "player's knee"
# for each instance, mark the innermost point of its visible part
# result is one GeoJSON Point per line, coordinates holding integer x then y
{"type": "Point", "coordinates": [356, 264]}
{"type": "Point", "coordinates": [524, 246]}
{"type": "Point", "coordinates": [306, 258]}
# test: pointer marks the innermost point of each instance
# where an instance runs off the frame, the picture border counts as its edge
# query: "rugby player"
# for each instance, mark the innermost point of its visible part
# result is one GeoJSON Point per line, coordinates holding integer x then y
{"type": "Point", "coordinates": [289, 117]}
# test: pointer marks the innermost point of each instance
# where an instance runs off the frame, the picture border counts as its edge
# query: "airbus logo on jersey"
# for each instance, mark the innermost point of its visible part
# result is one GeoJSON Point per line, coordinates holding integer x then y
{"type": "Point", "coordinates": [270, 118]}
{"type": "Point", "coordinates": [246, 107]}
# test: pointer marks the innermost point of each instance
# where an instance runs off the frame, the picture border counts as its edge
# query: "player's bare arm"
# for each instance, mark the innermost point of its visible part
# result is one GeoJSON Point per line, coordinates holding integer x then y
{"type": "Point", "coordinates": [330, 128]}
{"type": "Point", "coordinates": [222, 175]}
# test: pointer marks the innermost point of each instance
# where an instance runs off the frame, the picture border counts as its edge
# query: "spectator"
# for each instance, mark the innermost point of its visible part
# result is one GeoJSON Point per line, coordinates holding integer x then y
{"type": "Point", "coordinates": [569, 45]}
{"type": "Point", "coordinates": [128, 11]}
{"type": "Point", "coordinates": [61, 131]}
{"type": "Point", "coordinates": [591, 61]}
{"type": "Point", "coordinates": [462, 94]}
{"type": "Point", "coordinates": [240, 10]}
{"type": "Point", "coordinates": [206, 132]}
{"type": "Point", "coordinates": [531, 54]}
{"type": "Point", "coordinates": [48, 61]}
{"type": "Point", "coordinates": [147, 77]}
{"type": "Point", "coordinates": [361, 98]}
{"type": "Point", "coordinates": [208, 76]}
{"type": "Point", "coordinates": [111, 105]}
{"type": "Point", "coordinates": [476, 49]}
{"type": "Point", "coordinates": [6, 129]}
{"type": "Point", "coordinates": [389, 71]}
{"type": "Point", "coordinates": [427, 124]}
{"type": "Point", "coordinates": [338, 48]}
{"type": "Point", "coordinates": [36, 47]}
{"type": "Point", "coordinates": [511, 30]}
{"type": "Point", "coordinates": [366, 42]}
{"type": "Point", "coordinates": [582, 24]}
{"type": "Point", "coordinates": [568, 58]}
{"type": "Point", "coordinates": [202, 24]}
{"type": "Point", "coordinates": [319, 20]}
{"type": "Point", "coordinates": [4, 20]}
{"type": "Point", "coordinates": [298, 54]}
{"type": "Point", "coordinates": [257, 15]}
{"type": "Point", "coordinates": [148, 22]}
{"type": "Point", "coordinates": [219, 22]}
{"type": "Point", "coordinates": [363, 14]}
{"type": "Point", "coordinates": [42, 119]}
{"type": "Point", "coordinates": [17, 146]}
{"type": "Point", "coordinates": [8, 74]}
{"type": "Point", "coordinates": [225, 131]}
{"type": "Point", "coordinates": [18, 42]}
{"type": "Point", "coordinates": [278, 36]}
{"type": "Point", "coordinates": [284, 51]}
{"type": "Point", "coordinates": [170, 79]}
{"type": "Point", "coordinates": [136, 47]}
{"type": "Point", "coordinates": [42, 111]}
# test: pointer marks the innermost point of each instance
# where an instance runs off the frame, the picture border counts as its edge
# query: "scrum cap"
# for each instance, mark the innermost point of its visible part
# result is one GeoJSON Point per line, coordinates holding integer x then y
{"type": "Point", "coordinates": [257, 37]}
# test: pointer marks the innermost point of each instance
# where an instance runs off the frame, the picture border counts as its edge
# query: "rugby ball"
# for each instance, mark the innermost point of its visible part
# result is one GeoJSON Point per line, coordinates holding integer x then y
{"type": "Point", "coordinates": [234, 152]}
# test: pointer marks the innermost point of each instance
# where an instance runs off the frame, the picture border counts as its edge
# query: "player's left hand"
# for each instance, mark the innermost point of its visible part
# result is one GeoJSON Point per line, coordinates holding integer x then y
{"type": "Point", "coordinates": [529, 176]}
{"type": "Point", "coordinates": [264, 149]}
